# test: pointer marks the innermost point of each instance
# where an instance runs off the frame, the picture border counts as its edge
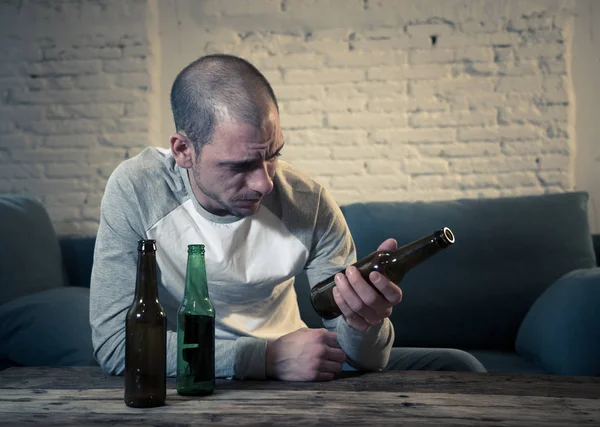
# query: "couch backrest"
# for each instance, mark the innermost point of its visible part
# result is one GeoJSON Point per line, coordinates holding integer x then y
{"type": "Point", "coordinates": [476, 293]}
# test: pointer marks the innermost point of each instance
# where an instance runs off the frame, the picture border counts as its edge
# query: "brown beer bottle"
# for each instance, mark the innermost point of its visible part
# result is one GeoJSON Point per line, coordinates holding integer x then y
{"type": "Point", "coordinates": [146, 336]}
{"type": "Point", "coordinates": [393, 265]}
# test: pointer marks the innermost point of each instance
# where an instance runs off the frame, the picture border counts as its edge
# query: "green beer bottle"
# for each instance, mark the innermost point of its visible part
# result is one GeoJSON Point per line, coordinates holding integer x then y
{"type": "Point", "coordinates": [196, 330]}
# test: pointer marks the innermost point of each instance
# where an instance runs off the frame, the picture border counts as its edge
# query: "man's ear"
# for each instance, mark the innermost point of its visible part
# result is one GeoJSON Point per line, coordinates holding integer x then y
{"type": "Point", "coordinates": [183, 150]}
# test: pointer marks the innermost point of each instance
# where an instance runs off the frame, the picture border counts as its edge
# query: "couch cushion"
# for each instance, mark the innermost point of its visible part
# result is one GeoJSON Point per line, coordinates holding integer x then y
{"type": "Point", "coordinates": [30, 258]}
{"type": "Point", "coordinates": [49, 328]}
{"type": "Point", "coordinates": [561, 332]}
{"type": "Point", "coordinates": [506, 362]}
{"type": "Point", "coordinates": [476, 293]}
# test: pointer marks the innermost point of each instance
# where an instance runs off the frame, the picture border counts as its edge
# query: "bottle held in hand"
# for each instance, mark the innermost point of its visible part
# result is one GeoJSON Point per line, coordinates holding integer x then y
{"type": "Point", "coordinates": [146, 337]}
{"type": "Point", "coordinates": [392, 264]}
{"type": "Point", "coordinates": [196, 330]}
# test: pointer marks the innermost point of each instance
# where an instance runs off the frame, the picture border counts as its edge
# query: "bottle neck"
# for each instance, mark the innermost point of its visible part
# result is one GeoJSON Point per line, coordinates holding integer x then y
{"type": "Point", "coordinates": [146, 286]}
{"type": "Point", "coordinates": [411, 255]}
{"type": "Point", "coordinates": [196, 286]}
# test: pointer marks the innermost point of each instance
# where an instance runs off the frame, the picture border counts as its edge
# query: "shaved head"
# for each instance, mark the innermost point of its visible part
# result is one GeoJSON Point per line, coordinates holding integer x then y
{"type": "Point", "coordinates": [218, 88]}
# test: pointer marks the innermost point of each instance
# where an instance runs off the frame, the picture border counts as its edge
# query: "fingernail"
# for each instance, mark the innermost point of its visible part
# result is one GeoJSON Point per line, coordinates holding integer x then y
{"type": "Point", "coordinates": [375, 277]}
{"type": "Point", "coordinates": [338, 276]}
{"type": "Point", "coordinates": [336, 293]}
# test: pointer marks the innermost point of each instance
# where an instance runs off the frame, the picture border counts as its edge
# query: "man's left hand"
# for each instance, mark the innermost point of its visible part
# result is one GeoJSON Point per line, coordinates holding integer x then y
{"type": "Point", "coordinates": [364, 304]}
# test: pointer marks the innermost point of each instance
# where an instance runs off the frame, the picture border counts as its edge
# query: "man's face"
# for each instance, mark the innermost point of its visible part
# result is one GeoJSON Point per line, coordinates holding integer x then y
{"type": "Point", "coordinates": [232, 173]}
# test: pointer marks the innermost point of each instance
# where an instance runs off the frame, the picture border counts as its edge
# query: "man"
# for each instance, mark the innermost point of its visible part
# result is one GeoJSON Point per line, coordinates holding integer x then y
{"type": "Point", "coordinates": [262, 223]}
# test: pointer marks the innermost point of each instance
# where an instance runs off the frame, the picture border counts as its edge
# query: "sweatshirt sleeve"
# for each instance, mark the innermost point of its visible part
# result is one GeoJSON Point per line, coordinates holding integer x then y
{"type": "Point", "coordinates": [112, 288]}
{"type": "Point", "coordinates": [332, 250]}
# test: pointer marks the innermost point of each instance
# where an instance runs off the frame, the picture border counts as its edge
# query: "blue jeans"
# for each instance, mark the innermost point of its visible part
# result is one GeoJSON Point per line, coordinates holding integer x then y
{"type": "Point", "coordinates": [429, 359]}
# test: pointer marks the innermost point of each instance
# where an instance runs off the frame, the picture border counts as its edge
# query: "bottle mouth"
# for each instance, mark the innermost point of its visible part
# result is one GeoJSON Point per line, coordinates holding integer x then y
{"type": "Point", "coordinates": [448, 235]}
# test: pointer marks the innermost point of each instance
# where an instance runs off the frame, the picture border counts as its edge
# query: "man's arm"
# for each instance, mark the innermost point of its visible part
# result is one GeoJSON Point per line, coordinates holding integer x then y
{"type": "Point", "coordinates": [112, 290]}
{"type": "Point", "coordinates": [333, 250]}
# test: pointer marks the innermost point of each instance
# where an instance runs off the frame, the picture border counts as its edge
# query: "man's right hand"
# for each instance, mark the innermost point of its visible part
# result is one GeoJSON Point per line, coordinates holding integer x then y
{"type": "Point", "coordinates": [305, 355]}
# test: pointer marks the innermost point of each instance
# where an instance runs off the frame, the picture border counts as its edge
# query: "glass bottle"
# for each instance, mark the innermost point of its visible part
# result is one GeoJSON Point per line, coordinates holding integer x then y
{"type": "Point", "coordinates": [392, 264]}
{"type": "Point", "coordinates": [146, 336]}
{"type": "Point", "coordinates": [196, 330]}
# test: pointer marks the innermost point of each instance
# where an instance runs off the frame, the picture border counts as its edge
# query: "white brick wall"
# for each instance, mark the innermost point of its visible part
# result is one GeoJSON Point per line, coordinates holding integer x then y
{"type": "Point", "coordinates": [366, 95]}
{"type": "Point", "coordinates": [74, 93]}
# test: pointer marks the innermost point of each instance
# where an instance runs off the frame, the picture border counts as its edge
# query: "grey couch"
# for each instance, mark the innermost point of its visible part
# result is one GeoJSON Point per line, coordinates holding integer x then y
{"type": "Point", "coordinates": [518, 290]}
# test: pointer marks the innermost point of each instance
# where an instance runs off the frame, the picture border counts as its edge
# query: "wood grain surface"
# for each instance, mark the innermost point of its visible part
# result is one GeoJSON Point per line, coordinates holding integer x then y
{"type": "Point", "coordinates": [81, 396]}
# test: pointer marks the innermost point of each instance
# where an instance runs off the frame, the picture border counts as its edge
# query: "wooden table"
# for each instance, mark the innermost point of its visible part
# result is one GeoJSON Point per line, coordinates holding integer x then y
{"type": "Point", "coordinates": [79, 396]}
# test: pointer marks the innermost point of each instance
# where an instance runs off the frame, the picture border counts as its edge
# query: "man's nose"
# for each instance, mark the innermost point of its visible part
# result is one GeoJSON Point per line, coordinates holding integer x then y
{"type": "Point", "coordinates": [261, 180]}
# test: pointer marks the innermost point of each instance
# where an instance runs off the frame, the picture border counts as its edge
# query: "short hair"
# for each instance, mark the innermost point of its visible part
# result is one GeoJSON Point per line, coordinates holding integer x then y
{"type": "Point", "coordinates": [216, 87]}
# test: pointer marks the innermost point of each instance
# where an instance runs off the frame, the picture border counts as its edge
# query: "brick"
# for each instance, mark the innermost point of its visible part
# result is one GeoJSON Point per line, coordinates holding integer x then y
{"type": "Point", "coordinates": [63, 54]}
{"type": "Point", "coordinates": [418, 136]}
{"type": "Point", "coordinates": [299, 121]}
{"type": "Point", "coordinates": [540, 50]}
{"type": "Point", "coordinates": [378, 166]}
{"type": "Point", "coordinates": [365, 120]}
{"type": "Point", "coordinates": [6, 126]}
{"type": "Point", "coordinates": [365, 59]}
{"type": "Point", "coordinates": [474, 53]}
{"type": "Point", "coordinates": [480, 26]}
{"type": "Point", "coordinates": [517, 179]}
{"type": "Point", "coordinates": [554, 90]}
{"type": "Point", "coordinates": [62, 199]}
{"type": "Point", "coordinates": [62, 213]}
{"type": "Point", "coordinates": [552, 66]}
{"type": "Point", "coordinates": [327, 47]}
{"type": "Point", "coordinates": [522, 69]}
{"type": "Point", "coordinates": [137, 109]}
{"type": "Point", "coordinates": [70, 141]}
{"type": "Point", "coordinates": [559, 178]}
{"type": "Point", "coordinates": [75, 96]}
{"type": "Point", "coordinates": [285, 92]}
{"type": "Point", "coordinates": [497, 164]}
{"type": "Point", "coordinates": [20, 171]}
{"type": "Point", "coordinates": [125, 65]}
{"type": "Point", "coordinates": [70, 170]}
{"type": "Point", "coordinates": [470, 149]}
{"type": "Point", "coordinates": [365, 152]}
{"type": "Point", "coordinates": [331, 75]}
{"type": "Point", "coordinates": [555, 161]}
{"type": "Point", "coordinates": [61, 68]}
{"type": "Point", "coordinates": [370, 182]}
{"type": "Point", "coordinates": [69, 127]}
{"type": "Point", "coordinates": [413, 72]}
{"type": "Point", "coordinates": [426, 30]}
{"type": "Point", "coordinates": [455, 118]}
{"type": "Point", "coordinates": [135, 124]}
{"type": "Point", "coordinates": [86, 111]}
{"type": "Point", "coordinates": [240, 7]}
{"type": "Point", "coordinates": [301, 60]}
{"type": "Point", "coordinates": [519, 84]}
{"type": "Point", "coordinates": [463, 40]}
{"type": "Point", "coordinates": [477, 134]}
{"type": "Point", "coordinates": [519, 148]}
{"type": "Point", "coordinates": [293, 152]}
{"type": "Point", "coordinates": [384, 45]}
{"type": "Point", "coordinates": [450, 86]}
{"type": "Point", "coordinates": [98, 81]}
{"type": "Point", "coordinates": [430, 56]}
{"type": "Point", "coordinates": [22, 112]}
{"type": "Point", "coordinates": [561, 146]}
{"type": "Point", "coordinates": [44, 155]}
{"type": "Point", "coordinates": [518, 133]}
{"type": "Point", "coordinates": [133, 80]}
{"type": "Point", "coordinates": [328, 104]}
{"type": "Point", "coordinates": [60, 83]}
{"type": "Point", "coordinates": [425, 166]}
{"type": "Point", "coordinates": [16, 140]}
{"type": "Point", "coordinates": [129, 140]}
{"type": "Point", "coordinates": [329, 167]}
{"type": "Point", "coordinates": [139, 51]}
{"type": "Point", "coordinates": [327, 137]}
{"type": "Point", "coordinates": [381, 88]}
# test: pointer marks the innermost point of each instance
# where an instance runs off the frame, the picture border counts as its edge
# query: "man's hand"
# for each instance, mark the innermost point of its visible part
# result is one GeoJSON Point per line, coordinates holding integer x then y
{"type": "Point", "coordinates": [360, 302]}
{"type": "Point", "coordinates": [305, 355]}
